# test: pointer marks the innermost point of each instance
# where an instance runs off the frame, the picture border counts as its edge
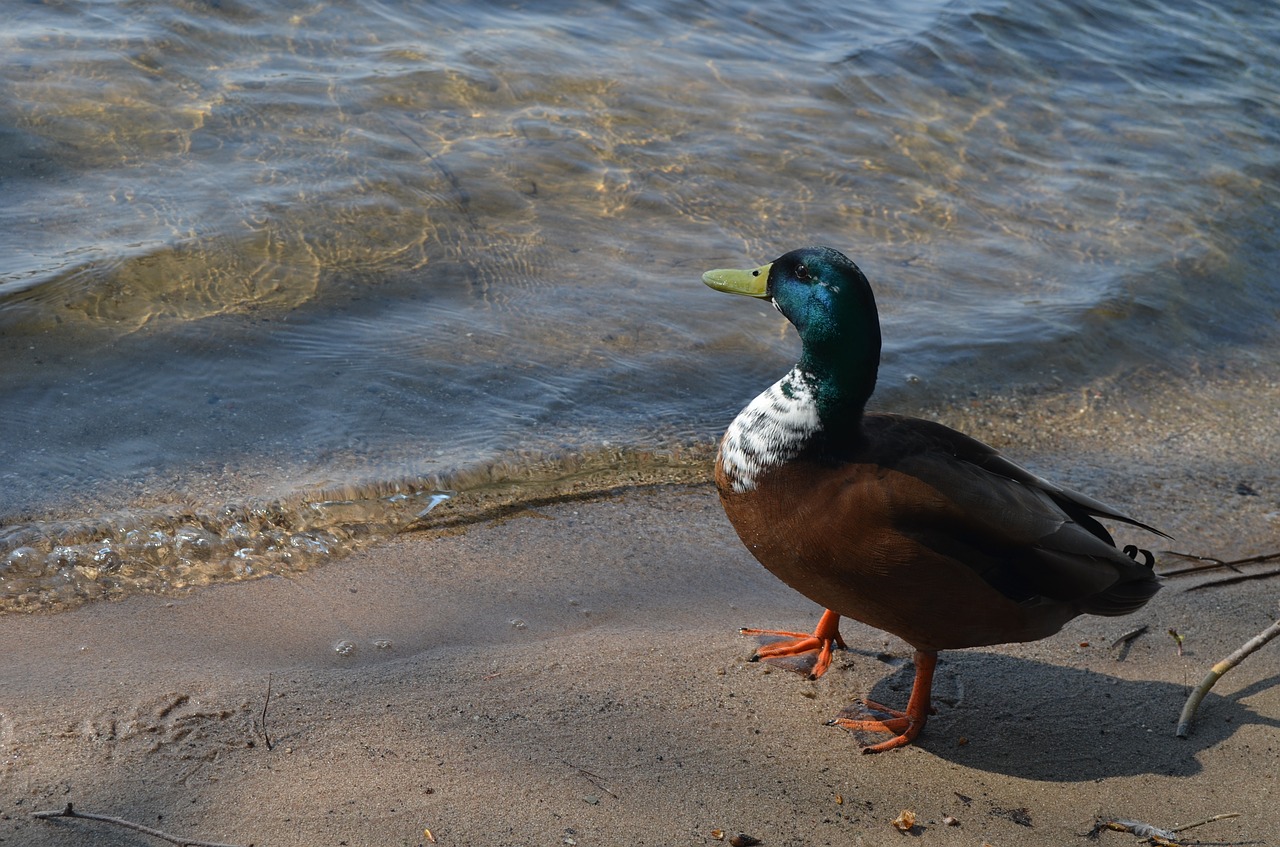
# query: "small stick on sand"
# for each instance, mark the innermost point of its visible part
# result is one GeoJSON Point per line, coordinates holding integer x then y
{"type": "Point", "coordinates": [1129, 636]}
{"type": "Point", "coordinates": [1164, 837]}
{"type": "Point", "coordinates": [1154, 834]}
{"type": "Point", "coordinates": [593, 778]}
{"type": "Point", "coordinates": [67, 812]}
{"type": "Point", "coordinates": [1231, 580]}
{"type": "Point", "coordinates": [1213, 563]}
{"type": "Point", "coordinates": [266, 703]}
{"type": "Point", "coordinates": [1216, 672]}
{"type": "Point", "coordinates": [1209, 819]}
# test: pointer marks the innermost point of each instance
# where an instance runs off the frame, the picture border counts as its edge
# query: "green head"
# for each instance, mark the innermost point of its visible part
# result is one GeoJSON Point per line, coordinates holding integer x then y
{"type": "Point", "coordinates": [830, 303]}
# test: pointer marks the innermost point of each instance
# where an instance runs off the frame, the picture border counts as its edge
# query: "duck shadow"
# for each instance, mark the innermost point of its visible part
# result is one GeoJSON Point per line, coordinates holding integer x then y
{"type": "Point", "coordinates": [1045, 722]}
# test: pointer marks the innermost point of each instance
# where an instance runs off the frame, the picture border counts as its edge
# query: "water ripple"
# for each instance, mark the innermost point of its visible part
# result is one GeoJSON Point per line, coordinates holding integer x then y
{"type": "Point", "coordinates": [253, 250]}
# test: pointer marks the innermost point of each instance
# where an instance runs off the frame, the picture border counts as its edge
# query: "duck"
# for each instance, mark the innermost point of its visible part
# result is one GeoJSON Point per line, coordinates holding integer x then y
{"type": "Point", "coordinates": [901, 523]}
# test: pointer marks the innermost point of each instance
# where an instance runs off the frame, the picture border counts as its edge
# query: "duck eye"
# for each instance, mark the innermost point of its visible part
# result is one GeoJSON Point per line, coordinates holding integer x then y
{"type": "Point", "coordinates": [802, 272]}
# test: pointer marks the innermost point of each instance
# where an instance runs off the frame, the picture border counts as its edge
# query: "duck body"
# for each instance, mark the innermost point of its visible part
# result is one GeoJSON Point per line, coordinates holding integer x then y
{"type": "Point", "coordinates": [904, 524]}
{"type": "Point", "coordinates": [928, 534]}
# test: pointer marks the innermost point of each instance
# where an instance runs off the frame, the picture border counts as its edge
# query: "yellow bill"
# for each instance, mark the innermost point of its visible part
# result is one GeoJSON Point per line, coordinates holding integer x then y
{"type": "Point", "coordinates": [753, 283]}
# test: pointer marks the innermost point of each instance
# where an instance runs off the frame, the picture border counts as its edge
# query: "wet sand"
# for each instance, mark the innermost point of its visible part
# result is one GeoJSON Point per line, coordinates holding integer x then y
{"type": "Point", "coordinates": [572, 675]}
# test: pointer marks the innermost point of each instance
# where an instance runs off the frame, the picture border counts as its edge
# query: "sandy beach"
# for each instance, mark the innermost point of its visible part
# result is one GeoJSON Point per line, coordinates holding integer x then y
{"type": "Point", "coordinates": [572, 674]}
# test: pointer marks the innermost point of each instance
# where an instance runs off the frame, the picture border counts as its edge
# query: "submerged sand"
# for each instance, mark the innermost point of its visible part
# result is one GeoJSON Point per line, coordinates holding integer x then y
{"type": "Point", "coordinates": [572, 675]}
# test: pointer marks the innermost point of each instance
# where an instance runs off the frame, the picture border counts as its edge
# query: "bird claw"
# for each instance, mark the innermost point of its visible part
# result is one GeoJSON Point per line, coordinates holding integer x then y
{"type": "Point", "coordinates": [803, 652]}
{"type": "Point", "coordinates": [903, 726]}
{"type": "Point", "coordinates": [862, 716]}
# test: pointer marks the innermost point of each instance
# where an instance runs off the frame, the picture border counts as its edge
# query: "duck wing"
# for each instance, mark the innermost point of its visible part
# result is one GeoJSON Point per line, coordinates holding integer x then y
{"type": "Point", "coordinates": [1030, 539]}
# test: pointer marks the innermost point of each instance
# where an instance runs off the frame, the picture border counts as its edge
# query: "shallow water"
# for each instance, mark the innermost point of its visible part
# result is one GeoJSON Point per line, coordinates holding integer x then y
{"type": "Point", "coordinates": [272, 279]}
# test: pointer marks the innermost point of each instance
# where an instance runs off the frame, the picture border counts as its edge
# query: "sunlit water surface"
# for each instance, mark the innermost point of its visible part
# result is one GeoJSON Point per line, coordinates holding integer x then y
{"type": "Point", "coordinates": [274, 279]}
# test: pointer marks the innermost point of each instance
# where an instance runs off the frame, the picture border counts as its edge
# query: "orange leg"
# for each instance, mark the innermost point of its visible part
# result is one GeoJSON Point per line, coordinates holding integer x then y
{"type": "Point", "coordinates": [825, 638]}
{"type": "Point", "coordinates": [904, 726]}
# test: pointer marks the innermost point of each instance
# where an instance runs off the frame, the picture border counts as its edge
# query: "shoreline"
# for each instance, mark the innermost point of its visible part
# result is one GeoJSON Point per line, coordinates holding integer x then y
{"type": "Point", "coordinates": [1143, 414]}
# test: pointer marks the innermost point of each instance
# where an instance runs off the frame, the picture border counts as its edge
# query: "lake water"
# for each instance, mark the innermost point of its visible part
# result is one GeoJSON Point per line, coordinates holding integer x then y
{"type": "Point", "coordinates": [275, 279]}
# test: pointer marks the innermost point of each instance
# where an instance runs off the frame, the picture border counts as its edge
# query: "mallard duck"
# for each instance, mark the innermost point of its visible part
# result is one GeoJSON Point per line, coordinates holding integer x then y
{"type": "Point", "coordinates": [904, 524]}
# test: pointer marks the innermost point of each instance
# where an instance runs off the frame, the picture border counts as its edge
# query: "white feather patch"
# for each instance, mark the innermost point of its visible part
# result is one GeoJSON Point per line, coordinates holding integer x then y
{"type": "Point", "coordinates": [772, 429]}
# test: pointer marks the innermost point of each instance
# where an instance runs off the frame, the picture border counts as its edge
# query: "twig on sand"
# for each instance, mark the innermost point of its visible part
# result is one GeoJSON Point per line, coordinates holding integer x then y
{"type": "Point", "coordinates": [1216, 672]}
{"type": "Point", "coordinates": [1214, 563]}
{"type": "Point", "coordinates": [1162, 837]}
{"type": "Point", "coordinates": [1125, 642]}
{"type": "Point", "coordinates": [1229, 580]}
{"type": "Point", "coordinates": [594, 778]}
{"type": "Point", "coordinates": [1129, 636]}
{"type": "Point", "coordinates": [67, 812]}
{"type": "Point", "coordinates": [1209, 819]}
{"type": "Point", "coordinates": [265, 703]}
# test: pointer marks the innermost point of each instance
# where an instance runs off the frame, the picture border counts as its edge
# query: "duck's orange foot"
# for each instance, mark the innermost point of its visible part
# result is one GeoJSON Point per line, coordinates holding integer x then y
{"type": "Point", "coordinates": [802, 652]}
{"type": "Point", "coordinates": [869, 716]}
